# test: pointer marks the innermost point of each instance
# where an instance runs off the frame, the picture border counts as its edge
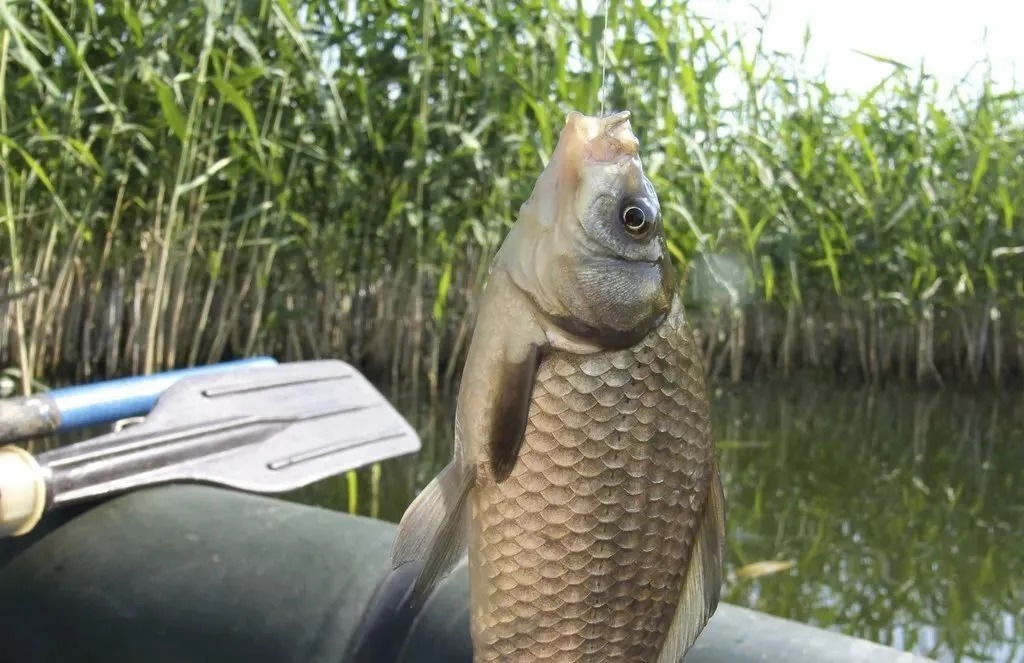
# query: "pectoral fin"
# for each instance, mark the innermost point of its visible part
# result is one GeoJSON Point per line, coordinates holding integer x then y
{"type": "Point", "coordinates": [508, 421]}
{"type": "Point", "coordinates": [498, 378]}
{"type": "Point", "coordinates": [434, 528]}
{"type": "Point", "coordinates": [702, 586]}
{"type": "Point", "coordinates": [494, 401]}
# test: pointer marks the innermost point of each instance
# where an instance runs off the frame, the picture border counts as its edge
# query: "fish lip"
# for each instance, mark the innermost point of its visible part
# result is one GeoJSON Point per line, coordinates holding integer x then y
{"type": "Point", "coordinates": [615, 120]}
{"type": "Point", "coordinates": [595, 158]}
{"type": "Point", "coordinates": [603, 140]}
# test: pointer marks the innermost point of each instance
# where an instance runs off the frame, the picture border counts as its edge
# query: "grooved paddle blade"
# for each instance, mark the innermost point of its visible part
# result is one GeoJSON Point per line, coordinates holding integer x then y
{"type": "Point", "coordinates": [262, 429]}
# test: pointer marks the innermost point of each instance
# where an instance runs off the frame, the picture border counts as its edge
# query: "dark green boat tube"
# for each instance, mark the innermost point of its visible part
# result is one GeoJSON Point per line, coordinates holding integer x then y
{"type": "Point", "coordinates": [190, 573]}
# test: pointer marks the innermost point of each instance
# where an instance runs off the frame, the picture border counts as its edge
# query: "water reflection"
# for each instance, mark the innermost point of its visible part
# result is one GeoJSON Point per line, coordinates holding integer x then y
{"type": "Point", "coordinates": [902, 512]}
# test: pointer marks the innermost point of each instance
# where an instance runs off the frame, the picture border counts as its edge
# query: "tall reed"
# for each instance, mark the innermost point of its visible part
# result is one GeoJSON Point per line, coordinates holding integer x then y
{"type": "Point", "coordinates": [193, 181]}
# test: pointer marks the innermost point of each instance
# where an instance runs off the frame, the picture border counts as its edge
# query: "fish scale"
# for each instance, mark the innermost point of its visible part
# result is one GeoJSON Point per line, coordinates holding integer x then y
{"type": "Point", "coordinates": [583, 548]}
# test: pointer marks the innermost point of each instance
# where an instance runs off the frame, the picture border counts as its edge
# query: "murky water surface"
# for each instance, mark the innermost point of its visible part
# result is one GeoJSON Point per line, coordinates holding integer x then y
{"type": "Point", "coordinates": [900, 515]}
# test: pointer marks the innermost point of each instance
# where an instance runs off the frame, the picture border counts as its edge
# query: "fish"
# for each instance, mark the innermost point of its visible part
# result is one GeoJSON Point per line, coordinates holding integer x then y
{"type": "Point", "coordinates": [584, 484]}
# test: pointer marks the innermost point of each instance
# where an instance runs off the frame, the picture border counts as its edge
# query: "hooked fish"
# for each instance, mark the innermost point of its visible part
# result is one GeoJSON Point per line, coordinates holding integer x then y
{"type": "Point", "coordinates": [584, 482]}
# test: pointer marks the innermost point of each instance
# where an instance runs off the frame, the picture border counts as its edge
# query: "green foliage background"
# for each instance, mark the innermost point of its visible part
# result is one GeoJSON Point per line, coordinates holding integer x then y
{"type": "Point", "coordinates": [190, 180]}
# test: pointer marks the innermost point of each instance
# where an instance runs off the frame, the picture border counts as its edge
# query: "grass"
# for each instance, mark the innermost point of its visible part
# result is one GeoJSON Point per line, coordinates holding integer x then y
{"type": "Point", "coordinates": [193, 181]}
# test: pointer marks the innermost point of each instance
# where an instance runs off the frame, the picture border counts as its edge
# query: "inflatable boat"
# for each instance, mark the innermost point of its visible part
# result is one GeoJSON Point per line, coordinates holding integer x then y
{"type": "Point", "coordinates": [165, 560]}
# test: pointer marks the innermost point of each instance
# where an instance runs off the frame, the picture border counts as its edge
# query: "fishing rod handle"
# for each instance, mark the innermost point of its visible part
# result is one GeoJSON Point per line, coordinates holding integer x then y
{"type": "Point", "coordinates": [104, 402]}
{"type": "Point", "coordinates": [25, 417]}
{"type": "Point", "coordinates": [22, 491]}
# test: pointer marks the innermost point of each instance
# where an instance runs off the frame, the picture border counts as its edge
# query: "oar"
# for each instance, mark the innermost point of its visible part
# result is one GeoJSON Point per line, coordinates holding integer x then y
{"type": "Point", "coordinates": [262, 429]}
{"type": "Point", "coordinates": [70, 408]}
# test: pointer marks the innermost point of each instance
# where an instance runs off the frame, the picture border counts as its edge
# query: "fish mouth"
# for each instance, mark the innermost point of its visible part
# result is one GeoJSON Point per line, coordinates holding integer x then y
{"type": "Point", "coordinates": [602, 140]}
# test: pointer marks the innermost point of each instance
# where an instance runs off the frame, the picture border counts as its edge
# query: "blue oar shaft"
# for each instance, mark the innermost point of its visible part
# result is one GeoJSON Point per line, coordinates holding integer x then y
{"type": "Point", "coordinates": [70, 408]}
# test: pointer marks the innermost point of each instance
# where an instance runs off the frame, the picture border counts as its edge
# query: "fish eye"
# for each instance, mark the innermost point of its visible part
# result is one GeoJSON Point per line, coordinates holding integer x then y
{"type": "Point", "coordinates": [637, 219]}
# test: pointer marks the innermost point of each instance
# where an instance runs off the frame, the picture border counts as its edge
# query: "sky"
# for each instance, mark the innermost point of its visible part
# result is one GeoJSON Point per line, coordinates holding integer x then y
{"type": "Point", "coordinates": [948, 35]}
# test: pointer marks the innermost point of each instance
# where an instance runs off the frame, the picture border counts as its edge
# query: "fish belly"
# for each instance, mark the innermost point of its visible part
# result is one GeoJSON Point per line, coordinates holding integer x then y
{"type": "Point", "coordinates": [580, 555]}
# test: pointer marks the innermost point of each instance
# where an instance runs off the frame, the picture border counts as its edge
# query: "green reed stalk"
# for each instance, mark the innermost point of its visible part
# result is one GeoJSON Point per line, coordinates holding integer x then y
{"type": "Point", "coordinates": [16, 275]}
{"type": "Point", "coordinates": [280, 176]}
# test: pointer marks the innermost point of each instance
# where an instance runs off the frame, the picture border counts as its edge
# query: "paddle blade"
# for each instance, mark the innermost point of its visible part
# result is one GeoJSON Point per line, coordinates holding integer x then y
{"type": "Point", "coordinates": [262, 429]}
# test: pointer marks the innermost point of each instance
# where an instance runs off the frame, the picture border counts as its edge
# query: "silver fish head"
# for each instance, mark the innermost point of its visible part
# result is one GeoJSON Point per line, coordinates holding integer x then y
{"type": "Point", "coordinates": [589, 246]}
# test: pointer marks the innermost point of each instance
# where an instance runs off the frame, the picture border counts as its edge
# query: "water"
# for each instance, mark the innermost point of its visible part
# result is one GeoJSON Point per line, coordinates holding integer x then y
{"type": "Point", "coordinates": [902, 513]}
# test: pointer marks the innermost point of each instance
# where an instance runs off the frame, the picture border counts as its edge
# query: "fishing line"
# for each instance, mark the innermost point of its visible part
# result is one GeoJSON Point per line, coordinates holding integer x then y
{"type": "Point", "coordinates": [602, 55]}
